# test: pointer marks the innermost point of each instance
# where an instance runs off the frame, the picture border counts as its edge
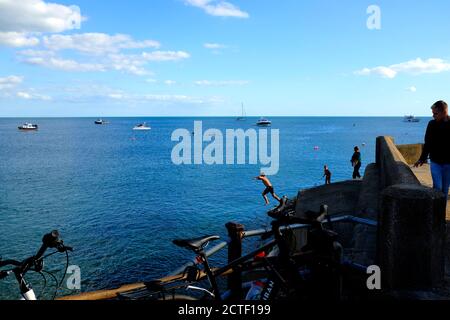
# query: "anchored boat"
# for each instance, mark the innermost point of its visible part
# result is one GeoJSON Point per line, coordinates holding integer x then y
{"type": "Point", "coordinates": [411, 119]}
{"type": "Point", "coordinates": [101, 121]}
{"type": "Point", "coordinates": [242, 117]}
{"type": "Point", "coordinates": [28, 127]}
{"type": "Point", "coordinates": [142, 127]}
{"type": "Point", "coordinates": [263, 122]}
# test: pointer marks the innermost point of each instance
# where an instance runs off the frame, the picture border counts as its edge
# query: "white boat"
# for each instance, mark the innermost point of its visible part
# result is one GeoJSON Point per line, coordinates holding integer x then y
{"type": "Point", "coordinates": [411, 118]}
{"type": "Point", "coordinates": [28, 127]}
{"type": "Point", "coordinates": [263, 122]}
{"type": "Point", "coordinates": [101, 121]}
{"type": "Point", "coordinates": [142, 127]}
{"type": "Point", "coordinates": [242, 117]}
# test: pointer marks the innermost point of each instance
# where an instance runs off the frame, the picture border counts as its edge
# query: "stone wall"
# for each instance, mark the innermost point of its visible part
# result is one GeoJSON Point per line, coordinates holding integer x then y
{"type": "Point", "coordinates": [393, 167]}
{"type": "Point", "coordinates": [409, 244]}
{"type": "Point", "coordinates": [411, 232]}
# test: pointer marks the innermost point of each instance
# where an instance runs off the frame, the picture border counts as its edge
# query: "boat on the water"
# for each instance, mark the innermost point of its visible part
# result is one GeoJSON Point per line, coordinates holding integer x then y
{"type": "Point", "coordinates": [28, 127]}
{"type": "Point", "coordinates": [142, 127]}
{"type": "Point", "coordinates": [101, 121]}
{"type": "Point", "coordinates": [242, 117]}
{"type": "Point", "coordinates": [263, 122]}
{"type": "Point", "coordinates": [411, 118]}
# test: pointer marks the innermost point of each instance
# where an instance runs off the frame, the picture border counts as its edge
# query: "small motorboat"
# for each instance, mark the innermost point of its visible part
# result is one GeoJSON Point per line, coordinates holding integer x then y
{"type": "Point", "coordinates": [263, 122]}
{"type": "Point", "coordinates": [28, 127]}
{"type": "Point", "coordinates": [142, 127]}
{"type": "Point", "coordinates": [411, 119]}
{"type": "Point", "coordinates": [101, 121]}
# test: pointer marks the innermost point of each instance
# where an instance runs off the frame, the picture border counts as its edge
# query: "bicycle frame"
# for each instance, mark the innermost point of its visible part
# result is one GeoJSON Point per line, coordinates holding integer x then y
{"type": "Point", "coordinates": [244, 263]}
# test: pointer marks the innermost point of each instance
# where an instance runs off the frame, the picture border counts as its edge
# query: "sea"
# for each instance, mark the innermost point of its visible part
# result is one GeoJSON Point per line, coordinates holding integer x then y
{"type": "Point", "coordinates": [118, 199]}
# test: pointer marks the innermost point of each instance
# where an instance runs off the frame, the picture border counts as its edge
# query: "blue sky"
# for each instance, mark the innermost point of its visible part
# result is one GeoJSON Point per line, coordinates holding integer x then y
{"type": "Point", "coordinates": [206, 57]}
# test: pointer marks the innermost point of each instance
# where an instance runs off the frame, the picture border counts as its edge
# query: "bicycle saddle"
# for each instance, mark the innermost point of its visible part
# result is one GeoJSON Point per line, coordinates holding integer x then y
{"type": "Point", "coordinates": [194, 244]}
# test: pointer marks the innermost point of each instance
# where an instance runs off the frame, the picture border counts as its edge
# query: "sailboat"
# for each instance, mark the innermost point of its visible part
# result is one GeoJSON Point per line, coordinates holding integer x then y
{"type": "Point", "coordinates": [242, 117]}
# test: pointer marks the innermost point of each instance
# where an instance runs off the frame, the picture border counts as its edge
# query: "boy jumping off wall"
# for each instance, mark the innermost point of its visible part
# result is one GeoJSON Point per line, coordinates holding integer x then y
{"type": "Point", "coordinates": [269, 188]}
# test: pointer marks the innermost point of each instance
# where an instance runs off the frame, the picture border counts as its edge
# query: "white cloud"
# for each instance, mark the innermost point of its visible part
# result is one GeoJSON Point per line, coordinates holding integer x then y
{"type": "Point", "coordinates": [222, 83]}
{"type": "Point", "coordinates": [96, 43]}
{"type": "Point", "coordinates": [8, 88]}
{"type": "Point", "coordinates": [133, 64]}
{"type": "Point", "coordinates": [17, 39]}
{"type": "Point", "coordinates": [385, 72]}
{"type": "Point", "coordinates": [32, 96]}
{"type": "Point", "coordinates": [415, 67]}
{"type": "Point", "coordinates": [412, 89]}
{"type": "Point", "coordinates": [145, 98]}
{"type": "Point", "coordinates": [128, 63]}
{"type": "Point", "coordinates": [64, 64]}
{"type": "Point", "coordinates": [171, 98]}
{"type": "Point", "coordinates": [22, 21]}
{"type": "Point", "coordinates": [36, 53]}
{"type": "Point", "coordinates": [170, 82]}
{"type": "Point", "coordinates": [165, 55]}
{"type": "Point", "coordinates": [10, 82]}
{"type": "Point", "coordinates": [116, 96]}
{"type": "Point", "coordinates": [214, 46]}
{"type": "Point", "coordinates": [37, 16]}
{"type": "Point", "coordinates": [218, 8]}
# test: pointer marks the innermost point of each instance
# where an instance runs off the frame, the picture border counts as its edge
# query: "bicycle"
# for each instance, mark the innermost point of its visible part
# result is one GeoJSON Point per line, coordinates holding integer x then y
{"type": "Point", "coordinates": [36, 264]}
{"type": "Point", "coordinates": [280, 273]}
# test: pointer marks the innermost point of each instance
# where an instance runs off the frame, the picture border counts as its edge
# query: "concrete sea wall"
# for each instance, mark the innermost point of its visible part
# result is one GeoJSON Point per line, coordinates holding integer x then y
{"type": "Point", "coordinates": [409, 244]}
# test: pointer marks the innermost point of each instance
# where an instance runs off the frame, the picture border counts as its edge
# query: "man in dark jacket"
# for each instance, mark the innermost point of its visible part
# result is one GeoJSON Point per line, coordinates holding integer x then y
{"type": "Point", "coordinates": [356, 163]}
{"type": "Point", "coordinates": [437, 147]}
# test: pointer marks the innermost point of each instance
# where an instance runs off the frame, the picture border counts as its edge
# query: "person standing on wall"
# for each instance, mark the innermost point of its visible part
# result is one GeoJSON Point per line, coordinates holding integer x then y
{"type": "Point", "coordinates": [437, 147]}
{"type": "Point", "coordinates": [356, 163]}
{"type": "Point", "coordinates": [326, 175]}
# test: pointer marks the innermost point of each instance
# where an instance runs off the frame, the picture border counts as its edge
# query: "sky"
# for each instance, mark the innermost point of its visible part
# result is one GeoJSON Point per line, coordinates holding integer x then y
{"type": "Point", "coordinates": [99, 58]}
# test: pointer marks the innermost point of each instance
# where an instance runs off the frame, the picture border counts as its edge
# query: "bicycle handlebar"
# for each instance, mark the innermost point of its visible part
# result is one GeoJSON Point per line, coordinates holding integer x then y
{"type": "Point", "coordinates": [10, 262]}
{"type": "Point", "coordinates": [49, 240]}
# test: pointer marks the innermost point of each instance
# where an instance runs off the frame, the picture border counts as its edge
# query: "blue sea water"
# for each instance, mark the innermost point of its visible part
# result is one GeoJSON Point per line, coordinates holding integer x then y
{"type": "Point", "coordinates": [116, 197]}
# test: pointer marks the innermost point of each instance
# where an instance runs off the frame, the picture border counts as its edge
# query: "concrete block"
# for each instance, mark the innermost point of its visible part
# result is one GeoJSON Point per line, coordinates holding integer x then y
{"type": "Point", "coordinates": [411, 239]}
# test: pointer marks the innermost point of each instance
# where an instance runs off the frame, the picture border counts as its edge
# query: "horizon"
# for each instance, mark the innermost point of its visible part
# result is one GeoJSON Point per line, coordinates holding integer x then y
{"type": "Point", "coordinates": [198, 117]}
{"type": "Point", "coordinates": [204, 58]}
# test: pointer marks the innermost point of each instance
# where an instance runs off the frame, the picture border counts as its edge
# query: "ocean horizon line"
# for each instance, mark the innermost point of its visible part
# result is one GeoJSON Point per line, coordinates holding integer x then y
{"type": "Point", "coordinates": [197, 117]}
